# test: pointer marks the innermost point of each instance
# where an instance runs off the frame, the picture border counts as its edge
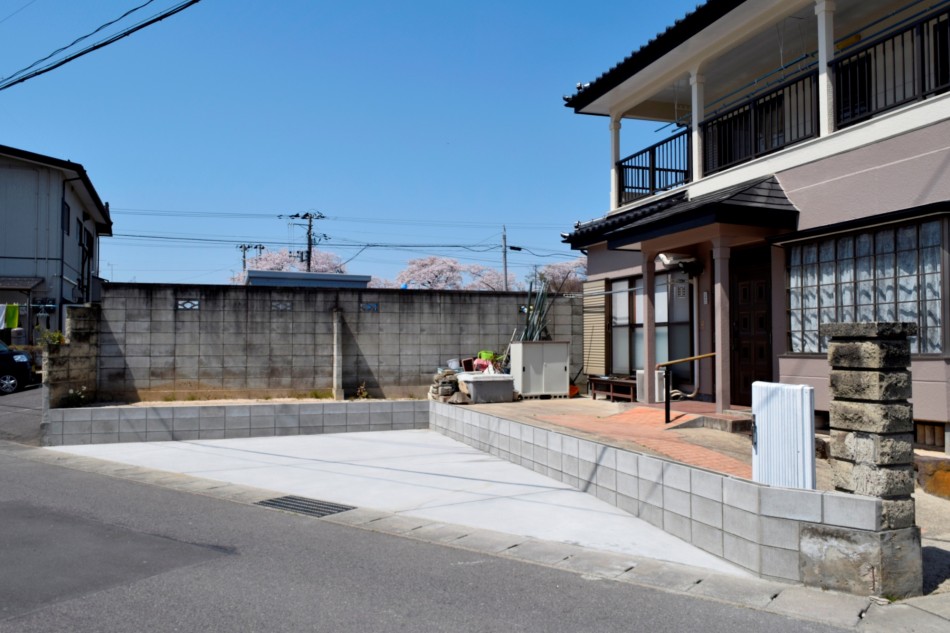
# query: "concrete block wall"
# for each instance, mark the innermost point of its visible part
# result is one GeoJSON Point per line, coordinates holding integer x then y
{"type": "Point", "coordinates": [185, 342]}
{"type": "Point", "coordinates": [72, 366]}
{"type": "Point", "coordinates": [766, 530]}
{"type": "Point", "coordinates": [163, 423]}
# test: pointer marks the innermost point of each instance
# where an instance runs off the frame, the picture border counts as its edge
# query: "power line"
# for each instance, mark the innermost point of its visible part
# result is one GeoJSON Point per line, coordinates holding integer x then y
{"type": "Point", "coordinates": [79, 39]}
{"type": "Point", "coordinates": [17, 11]}
{"type": "Point", "coordinates": [357, 219]}
{"type": "Point", "coordinates": [14, 80]}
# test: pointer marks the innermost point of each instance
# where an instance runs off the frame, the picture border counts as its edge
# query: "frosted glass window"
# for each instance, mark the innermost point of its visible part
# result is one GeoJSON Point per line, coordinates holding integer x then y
{"type": "Point", "coordinates": [907, 238]}
{"type": "Point", "coordinates": [884, 241]}
{"type": "Point", "coordinates": [662, 339]}
{"type": "Point", "coordinates": [620, 303]}
{"type": "Point", "coordinates": [795, 298]}
{"type": "Point", "coordinates": [889, 274]}
{"type": "Point", "coordinates": [620, 349]}
{"type": "Point", "coordinates": [795, 277]}
{"type": "Point", "coordinates": [795, 256]}
{"type": "Point", "coordinates": [930, 233]}
{"type": "Point", "coordinates": [638, 302]}
{"type": "Point", "coordinates": [907, 263]}
{"type": "Point", "coordinates": [930, 259]}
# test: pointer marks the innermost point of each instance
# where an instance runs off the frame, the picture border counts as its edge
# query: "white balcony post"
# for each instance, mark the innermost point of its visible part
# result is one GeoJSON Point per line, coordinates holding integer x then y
{"type": "Point", "coordinates": [697, 84]}
{"type": "Point", "coordinates": [825, 10]}
{"type": "Point", "coordinates": [614, 159]}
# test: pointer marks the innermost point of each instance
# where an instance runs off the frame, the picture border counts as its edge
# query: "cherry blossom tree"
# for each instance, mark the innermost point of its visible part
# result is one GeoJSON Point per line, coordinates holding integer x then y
{"type": "Point", "coordinates": [433, 273]}
{"type": "Point", "coordinates": [565, 276]}
{"type": "Point", "coordinates": [487, 278]}
{"type": "Point", "coordinates": [284, 260]}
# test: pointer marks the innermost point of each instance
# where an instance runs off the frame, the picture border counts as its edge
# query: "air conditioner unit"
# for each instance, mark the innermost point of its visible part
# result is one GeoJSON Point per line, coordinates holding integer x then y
{"type": "Point", "coordinates": [659, 386]}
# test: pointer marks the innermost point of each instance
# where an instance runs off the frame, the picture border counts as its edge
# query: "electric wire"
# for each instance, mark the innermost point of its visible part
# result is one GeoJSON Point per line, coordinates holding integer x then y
{"type": "Point", "coordinates": [80, 39]}
{"type": "Point", "coordinates": [13, 81]}
{"type": "Point", "coordinates": [17, 11]}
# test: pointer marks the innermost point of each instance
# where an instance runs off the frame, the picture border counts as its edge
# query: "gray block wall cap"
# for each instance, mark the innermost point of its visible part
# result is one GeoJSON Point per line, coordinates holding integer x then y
{"type": "Point", "coordinates": [877, 329]}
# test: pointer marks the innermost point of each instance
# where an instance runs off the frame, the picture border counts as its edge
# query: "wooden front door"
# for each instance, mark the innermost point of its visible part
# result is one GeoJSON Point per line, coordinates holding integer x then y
{"type": "Point", "coordinates": [751, 315]}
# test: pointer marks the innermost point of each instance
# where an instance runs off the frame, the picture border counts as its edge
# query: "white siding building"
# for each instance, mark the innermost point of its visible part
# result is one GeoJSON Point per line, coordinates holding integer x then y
{"type": "Point", "coordinates": [51, 218]}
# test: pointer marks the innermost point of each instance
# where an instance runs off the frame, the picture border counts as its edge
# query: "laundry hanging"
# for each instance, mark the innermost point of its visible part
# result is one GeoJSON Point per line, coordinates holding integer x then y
{"type": "Point", "coordinates": [10, 315]}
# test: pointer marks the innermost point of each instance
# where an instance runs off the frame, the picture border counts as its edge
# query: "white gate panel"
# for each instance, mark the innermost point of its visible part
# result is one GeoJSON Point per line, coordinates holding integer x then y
{"type": "Point", "coordinates": [783, 435]}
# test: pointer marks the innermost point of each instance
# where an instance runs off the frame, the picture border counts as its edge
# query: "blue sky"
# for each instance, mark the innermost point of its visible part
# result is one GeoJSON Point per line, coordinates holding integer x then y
{"type": "Point", "coordinates": [412, 123]}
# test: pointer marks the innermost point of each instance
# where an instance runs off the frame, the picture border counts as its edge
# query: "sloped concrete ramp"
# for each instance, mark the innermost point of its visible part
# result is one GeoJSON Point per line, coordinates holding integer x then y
{"type": "Point", "coordinates": [418, 473]}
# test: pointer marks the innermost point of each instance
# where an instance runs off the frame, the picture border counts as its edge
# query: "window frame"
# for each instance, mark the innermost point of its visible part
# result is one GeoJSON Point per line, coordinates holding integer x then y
{"type": "Point", "coordinates": [855, 276]}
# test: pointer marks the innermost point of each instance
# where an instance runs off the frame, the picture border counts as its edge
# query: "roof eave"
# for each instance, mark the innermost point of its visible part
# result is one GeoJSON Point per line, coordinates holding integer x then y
{"type": "Point", "coordinates": [681, 31]}
{"type": "Point", "coordinates": [104, 222]}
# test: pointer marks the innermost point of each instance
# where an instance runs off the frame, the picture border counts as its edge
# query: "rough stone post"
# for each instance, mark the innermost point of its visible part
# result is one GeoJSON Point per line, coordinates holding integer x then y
{"type": "Point", "coordinates": [872, 450]}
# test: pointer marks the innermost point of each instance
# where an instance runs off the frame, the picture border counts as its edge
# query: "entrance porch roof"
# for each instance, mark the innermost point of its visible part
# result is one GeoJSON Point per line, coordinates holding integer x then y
{"type": "Point", "coordinates": [761, 203]}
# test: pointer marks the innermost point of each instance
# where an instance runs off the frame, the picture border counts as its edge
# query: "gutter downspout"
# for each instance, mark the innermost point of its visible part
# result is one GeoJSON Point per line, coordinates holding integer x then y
{"type": "Point", "coordinates": [62, 251]}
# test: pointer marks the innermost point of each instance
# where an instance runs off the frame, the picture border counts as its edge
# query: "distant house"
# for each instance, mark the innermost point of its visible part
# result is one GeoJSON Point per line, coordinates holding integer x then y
{"type": "Point", "coordinates": [51, 218]}
{"type": "Point", "coordinates": [806, 180]}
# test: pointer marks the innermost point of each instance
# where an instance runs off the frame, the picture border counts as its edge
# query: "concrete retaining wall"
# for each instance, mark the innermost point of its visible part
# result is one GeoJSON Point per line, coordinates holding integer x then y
{"type": "Point", "coordinates": [160, 423]}
{"type": "Point", "coordinates": [760, 528]}
{"type": "Point", "coordinates": [203, 342]}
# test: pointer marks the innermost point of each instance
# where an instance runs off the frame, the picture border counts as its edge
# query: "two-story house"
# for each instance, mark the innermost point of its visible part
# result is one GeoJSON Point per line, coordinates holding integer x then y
{"type": "Point", "coordinates": [51, 218]}
{"type": "Point", "coordinates": [806, 180]}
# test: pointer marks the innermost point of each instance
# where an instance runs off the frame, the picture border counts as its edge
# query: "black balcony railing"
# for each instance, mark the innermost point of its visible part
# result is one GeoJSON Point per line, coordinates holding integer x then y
{"type": "Point", "coordinates": [658, 168]}
{"type": "Point", "coordinates": [761, 125]}
{"type": "Point", "coordinates": [898, 67]}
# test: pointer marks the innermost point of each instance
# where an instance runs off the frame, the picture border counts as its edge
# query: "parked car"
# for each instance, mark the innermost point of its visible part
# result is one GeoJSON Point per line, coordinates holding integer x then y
{"type": "Point", "coordinates": [16, 369]}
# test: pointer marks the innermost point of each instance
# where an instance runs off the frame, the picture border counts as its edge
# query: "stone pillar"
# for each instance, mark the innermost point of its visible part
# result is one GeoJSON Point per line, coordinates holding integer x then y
{"type": "Point", "coordinates": [872, 451]}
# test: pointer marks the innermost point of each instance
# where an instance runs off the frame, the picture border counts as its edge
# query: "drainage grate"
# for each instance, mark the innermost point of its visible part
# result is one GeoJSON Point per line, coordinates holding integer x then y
{"type": "Point", "coordinates": [302, 505]}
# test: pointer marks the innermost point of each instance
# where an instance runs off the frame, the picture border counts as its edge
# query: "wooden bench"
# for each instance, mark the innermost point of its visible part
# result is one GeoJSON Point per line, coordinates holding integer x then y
{"type": "Point", "coordinates": [612, 388]}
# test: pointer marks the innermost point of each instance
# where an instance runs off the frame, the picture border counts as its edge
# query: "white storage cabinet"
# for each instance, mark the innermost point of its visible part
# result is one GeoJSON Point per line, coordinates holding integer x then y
{"type": "Point", "coordinates": [541, 368]}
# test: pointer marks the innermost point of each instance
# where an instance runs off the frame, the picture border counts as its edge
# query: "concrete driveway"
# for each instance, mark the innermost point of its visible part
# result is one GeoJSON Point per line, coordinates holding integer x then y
{"type": "Point", "coordinates": [416, 473]}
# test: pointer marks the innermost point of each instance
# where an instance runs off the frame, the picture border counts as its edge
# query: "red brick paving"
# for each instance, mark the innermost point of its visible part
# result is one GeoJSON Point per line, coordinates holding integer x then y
{"type": "Point", "coordinates": [645, 426]}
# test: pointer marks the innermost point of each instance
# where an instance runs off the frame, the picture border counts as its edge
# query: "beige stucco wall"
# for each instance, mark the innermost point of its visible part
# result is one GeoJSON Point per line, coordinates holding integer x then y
{"type": "Point", "coordinates": [897, 173]}
{"type": "Point", "coordinates": [931, 378]}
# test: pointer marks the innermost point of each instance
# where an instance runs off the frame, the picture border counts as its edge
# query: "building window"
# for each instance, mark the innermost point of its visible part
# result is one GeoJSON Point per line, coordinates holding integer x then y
{"type": "Point", "coordinates": [888, 274]}
{"type": "Point", "coordinates": [673, 329]}
{"type": "Point", "coordinates": [65, 218]}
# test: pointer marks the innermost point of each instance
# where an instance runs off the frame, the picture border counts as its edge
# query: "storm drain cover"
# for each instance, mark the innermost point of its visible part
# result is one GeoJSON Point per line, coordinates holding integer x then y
{"type": "Point", "coordinates": [302, 505]}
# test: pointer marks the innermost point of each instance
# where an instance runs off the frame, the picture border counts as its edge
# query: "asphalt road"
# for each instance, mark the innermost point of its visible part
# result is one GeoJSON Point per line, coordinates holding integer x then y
{"type": "Point", "coordinates": [87, 552]}
{"type": "Point", "coordinates": [20, 415]}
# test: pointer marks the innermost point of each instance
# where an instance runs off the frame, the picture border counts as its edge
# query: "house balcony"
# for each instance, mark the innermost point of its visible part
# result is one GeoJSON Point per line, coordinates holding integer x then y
{"type": "Point", "coordinates": [876, 67]}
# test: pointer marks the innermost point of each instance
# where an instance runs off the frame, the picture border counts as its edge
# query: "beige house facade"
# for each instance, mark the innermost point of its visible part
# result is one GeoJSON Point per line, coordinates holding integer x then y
{"type": "Point", "coordinates": [806, 180]}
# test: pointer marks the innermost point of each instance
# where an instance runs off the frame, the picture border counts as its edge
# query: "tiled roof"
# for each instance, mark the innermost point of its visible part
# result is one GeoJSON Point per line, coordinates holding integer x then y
{"type": "Point", "coordinates": [681, 30]}
{"type": "Point", "coordinates": [20, 283]}
{"type": "Point", "coordinates": [666, 216]}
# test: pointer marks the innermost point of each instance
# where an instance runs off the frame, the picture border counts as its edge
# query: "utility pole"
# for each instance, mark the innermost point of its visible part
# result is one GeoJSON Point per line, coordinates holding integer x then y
{"type": "Point", "coordinates": [244, 248]}
{"type": "Point", "coordinates": [504, 254]}
{"type": "Point", "coordinates": [309, 217]}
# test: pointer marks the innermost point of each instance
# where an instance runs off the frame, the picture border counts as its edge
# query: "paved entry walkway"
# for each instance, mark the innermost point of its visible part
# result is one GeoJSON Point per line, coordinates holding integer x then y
{"type": "Point", "coordinates": [418, 473]}
{"type": "Point", "coordinates": [636, 427]}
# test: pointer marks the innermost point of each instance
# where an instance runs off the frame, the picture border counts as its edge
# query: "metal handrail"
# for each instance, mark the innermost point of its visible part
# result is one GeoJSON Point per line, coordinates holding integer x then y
{"type": "Point", "coordinates": [668, 376]}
